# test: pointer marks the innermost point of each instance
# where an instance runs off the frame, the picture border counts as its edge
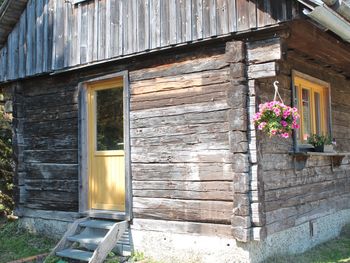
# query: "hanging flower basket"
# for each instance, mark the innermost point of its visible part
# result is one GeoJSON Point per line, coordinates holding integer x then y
{"type": "Point", "coordinates": [276, 118]}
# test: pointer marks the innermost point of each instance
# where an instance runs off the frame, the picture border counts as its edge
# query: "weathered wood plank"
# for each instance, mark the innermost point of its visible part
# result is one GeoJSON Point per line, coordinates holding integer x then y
{"type": "Point", "coordinates": [264, 51]}
{"type": "Point", "coordinates": [182, 227]}
{"type": "Point", "coordinates": [51, 171]}
{"type": "Point", "coordinates": [183, 190]}
{"type": "Point", "coordinates": [143, 25]}
{"type": "Point", "coordinates": [51, 156]}
{"type": "Point", "coordinates": [182, 172]}
{"type": "Point", "coordinates": [242, 9]}
{"type": "Point", "coordinates": [182, 210]}
{"type": "Point", "coordinates": [155, 38]}
{"type": "Point", "coordinates": [197, 19]}
{"type": "Point", "coordinates": [180, 82]}
{"type": "Point", "coordinates": [22, 43]}
{"type": "Point", "coordinates": [30, 59]}
{"type": "Point", "coordinates": [58, 35]}
{"type": "Point", "coordinates": [164, 23]}
{"type": "Point", "coordinates": [39, 33]}
{"type": "Point", "coordinates": [90, 31]}
{"type": "Point", "coordinates": [84, 33]}
{"type": "Point", "coordinates": [222, 15]}
{"type": "Point", "coordinates": [101, 21]}
{"type": "Point", "coordinates": [232, 16]}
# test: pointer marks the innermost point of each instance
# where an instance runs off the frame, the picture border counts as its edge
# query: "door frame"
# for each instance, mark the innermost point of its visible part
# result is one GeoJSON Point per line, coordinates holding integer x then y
{"type": "Point", "coordinates": [84, 149]}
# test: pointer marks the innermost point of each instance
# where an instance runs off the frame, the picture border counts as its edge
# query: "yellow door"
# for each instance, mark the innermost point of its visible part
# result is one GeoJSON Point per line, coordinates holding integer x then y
{"type": "Point", "coordinates": [106, 145]}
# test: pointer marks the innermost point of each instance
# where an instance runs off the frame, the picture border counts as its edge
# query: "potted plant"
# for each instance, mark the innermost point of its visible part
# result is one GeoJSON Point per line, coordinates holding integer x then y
{"type": "Point", "coordinates": [276, 119]}
{"type": "Point", "coordinates": [321, 143]}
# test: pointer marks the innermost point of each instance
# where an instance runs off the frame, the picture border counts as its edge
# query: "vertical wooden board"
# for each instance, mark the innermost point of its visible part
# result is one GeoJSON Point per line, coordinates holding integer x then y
{"type": "Point", "coordinates": [172, 22]}
{"type": "Point", "coordinates": [96, 38]}
{"type": "Point", "coordinates": [268, 12]}
{"type": "Point", "coordinates": [50, 32]}
{"type": "Point", "coordinates": [121, 28]}
{"type": "Point", "coordinates": [197, 19]}
{"type": "Point", "coordinates": [206, 18]}
{"type": "Point", "coordinates": [114, 19]}
{"type": "Point", "coordinates": [164, 23]}
{"type": "Point", "coordinates": [10, 55]}
{"type": "Point", "coordinates": [45, 34]}
{"type": "Point", "coordinates": [242, 15]}
{"type": "Point", "coordinates": [30, 60]}
{"type": "Point", "coordinates": [154, 23]}
{"type": "Point", "coordinates": [222, 17]}
{"type": "Point", "coordinates": [278, 10]}
{"type": "Point", "coordinates": [39, 33]}
{"type": "Point", "coordinates": [213, 18]}
{"type": "Point", "coordinates": [83, 34]}
{"type": "Point", "coordinates": [188, 20]}
{"type": "Point", "coordinates": [22, 46]}
{"type": "Point", "coordinates": [14, 55]}
{"type": "Point", "coordinates": [58, 36]}
{"type": "Point", "coordinates": [68, 35]}
{"type": "Point", "coordinates": [232, 15]}
{"type": "Point", "coordinates": [102, 30]}
{"type": "Point", "coordinates": [260, 13]}
{"type": "Point", "coordinates": [252, 14]}
{"type": "Point", "coordinates": [180, 21]}
{"type": "Point", "coordinates": [108, 21]}
{"type": "Point", "coordinates": [90, 30]}
{"type": "Point", "coordinates": [4, 63]}
{"type": "Point", "coordinates": [141, 22]}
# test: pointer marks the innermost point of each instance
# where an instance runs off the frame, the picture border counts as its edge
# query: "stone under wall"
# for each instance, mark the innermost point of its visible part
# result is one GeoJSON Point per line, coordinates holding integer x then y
{"type": "Point", "coordinates": [293, 195]}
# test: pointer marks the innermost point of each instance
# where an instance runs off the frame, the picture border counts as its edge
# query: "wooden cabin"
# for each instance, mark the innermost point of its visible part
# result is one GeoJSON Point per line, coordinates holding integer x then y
{"type": "Point", "coordinates": [133, 125]}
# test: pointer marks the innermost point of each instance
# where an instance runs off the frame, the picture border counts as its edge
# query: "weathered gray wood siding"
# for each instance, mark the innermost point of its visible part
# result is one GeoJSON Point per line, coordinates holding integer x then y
{"type": "Point", "coordinates": [52, 35]}
{"type": "Point", "coordinates": [181, 156]}
{"type": "Point", "coordinates": [291, 196]}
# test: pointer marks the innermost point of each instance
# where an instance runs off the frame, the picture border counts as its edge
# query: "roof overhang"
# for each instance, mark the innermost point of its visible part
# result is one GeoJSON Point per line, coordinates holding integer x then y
{"type": "Point", "coordinates": [333, 15]}
{"type": "Point", "coordinates": [10, 12]}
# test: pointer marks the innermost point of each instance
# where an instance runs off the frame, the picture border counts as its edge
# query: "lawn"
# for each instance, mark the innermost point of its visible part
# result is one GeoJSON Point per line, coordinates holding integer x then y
{"type": "Point", "coordinates": [16, 244]}
{"type": "Point", "coordinates": [336, 250]}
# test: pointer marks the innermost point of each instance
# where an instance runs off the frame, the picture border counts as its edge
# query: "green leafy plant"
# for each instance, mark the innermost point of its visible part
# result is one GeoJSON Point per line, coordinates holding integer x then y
{"type": "Point", "coordinates": [137, 256]}
{"type": "Point", "coordinates": [6, 165]}
{"type": "Point", "coordinates": [317, 140]}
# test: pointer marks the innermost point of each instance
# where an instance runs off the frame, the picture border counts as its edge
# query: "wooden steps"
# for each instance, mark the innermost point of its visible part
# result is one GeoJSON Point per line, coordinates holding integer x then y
{"type": "Point", "coordinates": [75, 254]}
{"type": "Point", "coordinates": [90, 240]}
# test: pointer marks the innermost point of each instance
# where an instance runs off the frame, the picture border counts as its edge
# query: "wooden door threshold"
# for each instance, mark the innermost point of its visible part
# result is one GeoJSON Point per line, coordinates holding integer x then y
{"type": "Point", "coordinates": [106, 214]}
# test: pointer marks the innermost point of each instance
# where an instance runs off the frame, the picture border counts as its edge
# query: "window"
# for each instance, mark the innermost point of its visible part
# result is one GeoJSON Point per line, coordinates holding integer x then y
{"type": "Point", "coordinates": [312, 101]}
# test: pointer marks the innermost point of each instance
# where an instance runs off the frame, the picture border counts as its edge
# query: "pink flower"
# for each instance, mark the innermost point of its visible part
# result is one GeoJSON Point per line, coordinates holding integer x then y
{"type": "Point", "coordinates": [286, 113]}
{"type": "Point", "coordinates": [262, 125]}
{"type": "Point", "coordinates": [277, 111]}
{"type": "Point", "coordinates": [273, 132]}
{"type": "Point", "coordinates": [284, 123]}
{"type": "Point", "coordinates": [285, 135]}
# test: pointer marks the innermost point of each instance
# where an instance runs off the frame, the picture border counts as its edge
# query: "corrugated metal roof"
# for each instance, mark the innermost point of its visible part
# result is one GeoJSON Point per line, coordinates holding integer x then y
{"type": "Point", "coordinates": [10, 12]}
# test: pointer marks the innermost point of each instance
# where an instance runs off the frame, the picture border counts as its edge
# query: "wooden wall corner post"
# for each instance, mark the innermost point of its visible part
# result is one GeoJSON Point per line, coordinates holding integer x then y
{"type": "Point", "coordinates": [238, 121]}
{"type": "Point", "coordinates": [262, 59]}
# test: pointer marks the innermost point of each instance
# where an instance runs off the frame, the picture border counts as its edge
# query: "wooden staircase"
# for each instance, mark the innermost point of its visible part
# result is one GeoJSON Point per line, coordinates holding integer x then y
{"type": "Point", "coordinates": [90, 240]}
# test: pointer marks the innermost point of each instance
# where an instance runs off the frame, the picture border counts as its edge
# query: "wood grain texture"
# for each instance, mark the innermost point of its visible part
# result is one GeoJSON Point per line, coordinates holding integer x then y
{"type": "Point", "coordinates": [59, 34]}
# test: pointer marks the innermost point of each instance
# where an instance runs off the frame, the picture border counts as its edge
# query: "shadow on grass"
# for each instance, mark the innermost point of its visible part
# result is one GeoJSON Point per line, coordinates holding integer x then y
{"type": "Point", "coordinates": [336, 250]}
{"type": "Point", "coordinates": [16, 243]}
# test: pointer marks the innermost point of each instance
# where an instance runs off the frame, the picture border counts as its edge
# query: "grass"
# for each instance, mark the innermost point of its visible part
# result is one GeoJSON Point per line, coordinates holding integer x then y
{"type": "Point", "coordinates": [333, 251]}
{"type": "Point", "coordinates": [16, 243]}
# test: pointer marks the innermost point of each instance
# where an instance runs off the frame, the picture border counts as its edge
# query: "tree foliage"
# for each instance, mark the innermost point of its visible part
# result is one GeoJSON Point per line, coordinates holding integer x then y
{"type": "Point", "coordinates": [6, 165]}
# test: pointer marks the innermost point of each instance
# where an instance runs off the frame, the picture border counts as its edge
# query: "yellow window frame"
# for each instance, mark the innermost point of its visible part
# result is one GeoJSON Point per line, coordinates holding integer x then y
{"type": "Point", "coordinates": [301, 83]}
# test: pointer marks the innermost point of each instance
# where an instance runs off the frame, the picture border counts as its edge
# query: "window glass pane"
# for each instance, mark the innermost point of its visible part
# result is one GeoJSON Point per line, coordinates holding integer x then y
{"type": "Point", "coordinates": [318, 112]}
{"type": "Point", "coordinates": [109, 119]}
{"type": "Point", "coordinates": [306, 113]}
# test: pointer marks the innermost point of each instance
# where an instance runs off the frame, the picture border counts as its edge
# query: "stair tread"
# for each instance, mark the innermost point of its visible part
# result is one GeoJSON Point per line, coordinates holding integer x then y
{"type": "Point", "coordinates": [87, 238]}
{"type": "Point", "coordinates": [102, 224]}
{"type": "Point", "coordinates": [75, 254]}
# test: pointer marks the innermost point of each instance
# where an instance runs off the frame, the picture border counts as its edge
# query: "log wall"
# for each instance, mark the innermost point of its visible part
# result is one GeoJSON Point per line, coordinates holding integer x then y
{"type": "Point", "coordinates": [184, 109]}
{"type": "Point", "coordinates": [292, 196]}
{"type": "Point", "coordinates": [52, 35]}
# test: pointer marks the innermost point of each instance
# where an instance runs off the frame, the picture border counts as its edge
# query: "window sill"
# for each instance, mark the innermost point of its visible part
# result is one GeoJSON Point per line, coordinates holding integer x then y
{"type": "Point", "coordinates": [300, 158]}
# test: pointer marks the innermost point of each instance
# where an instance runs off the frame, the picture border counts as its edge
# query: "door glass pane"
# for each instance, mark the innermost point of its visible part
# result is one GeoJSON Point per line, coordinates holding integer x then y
{"type": "Point", "coordinates": [317, 112]}
{"type": "Point", "coordinates": [109, 119]}
{"type": "Point", "coordinates": [306, 113]}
